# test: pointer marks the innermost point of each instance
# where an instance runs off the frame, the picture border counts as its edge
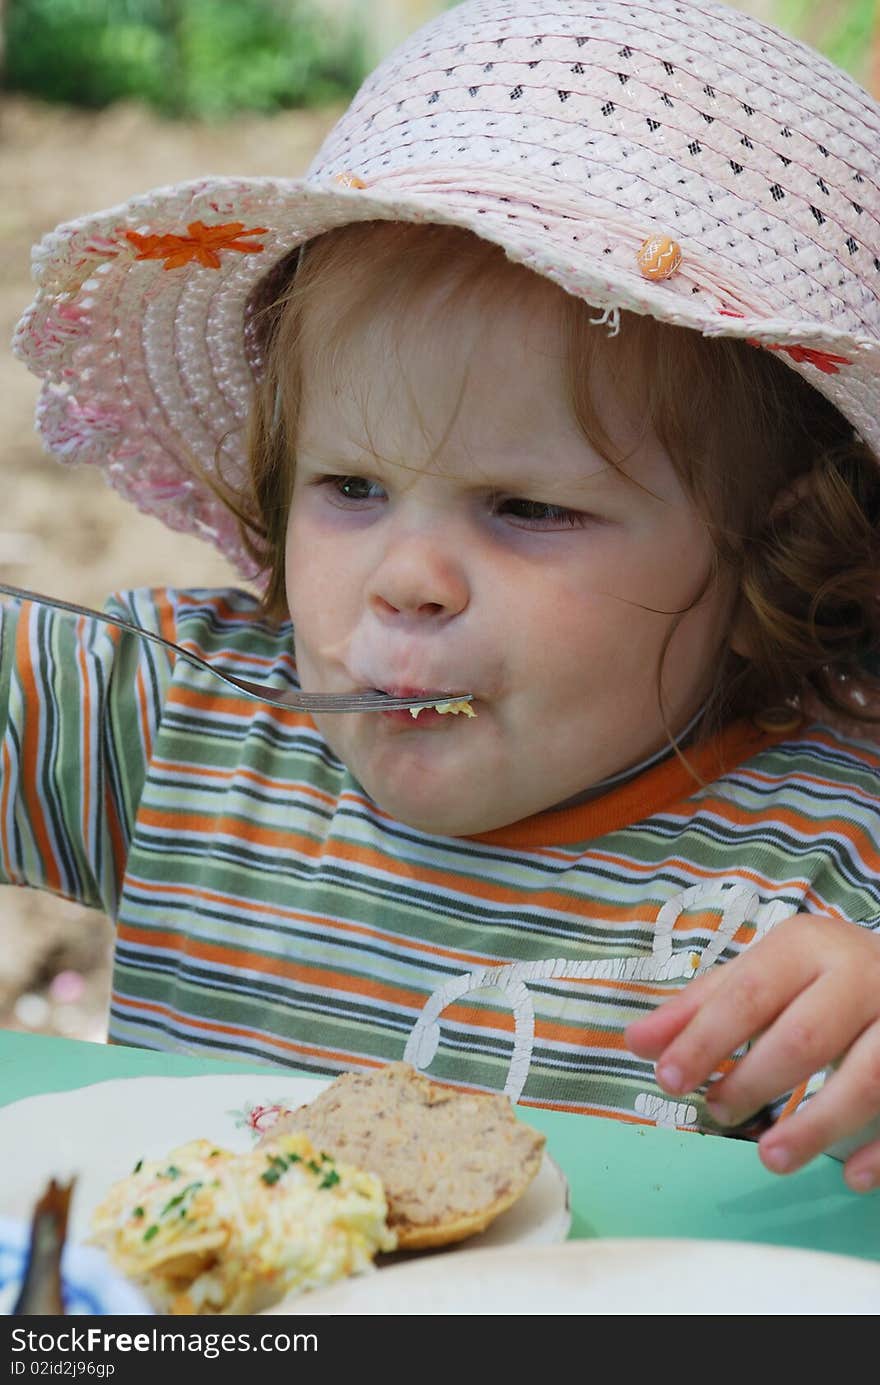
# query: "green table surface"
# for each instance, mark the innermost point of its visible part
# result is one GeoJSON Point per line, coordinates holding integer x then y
{"type": "Point", "coordinates": [626, 1180]}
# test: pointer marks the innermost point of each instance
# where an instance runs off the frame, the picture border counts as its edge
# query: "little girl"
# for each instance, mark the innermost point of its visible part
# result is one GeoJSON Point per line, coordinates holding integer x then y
{"type": "Point", "coordinates": [555, 382]}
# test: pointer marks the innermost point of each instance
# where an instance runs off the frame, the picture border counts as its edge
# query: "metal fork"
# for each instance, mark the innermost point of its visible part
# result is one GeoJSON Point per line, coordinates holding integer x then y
{"type": "Point", "coordinates": [371, 701]}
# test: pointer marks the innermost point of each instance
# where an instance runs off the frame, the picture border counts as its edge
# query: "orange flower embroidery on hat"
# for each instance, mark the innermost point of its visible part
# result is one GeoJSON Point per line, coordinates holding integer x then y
{"type": "Point", "coordinates": [826, 361]}
{"type": "Point", "coordinates": [202, 245]}
{"type": "Point", "coordinates": [822, 360]}
{"type": "Point", "coordinates": [350, 180]}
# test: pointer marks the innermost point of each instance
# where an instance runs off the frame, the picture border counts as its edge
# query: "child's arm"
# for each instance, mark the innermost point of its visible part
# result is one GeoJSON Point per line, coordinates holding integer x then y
{"type": "Point", "coordinates": [805, 995]}
{"type": "Point", "coordinates": [77, 716]}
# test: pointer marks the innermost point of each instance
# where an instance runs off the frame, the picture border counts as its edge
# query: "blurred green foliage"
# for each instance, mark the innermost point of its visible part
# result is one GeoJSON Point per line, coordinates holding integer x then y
{"type": "Point", "coordinates": [202, 58]}
{"type": "Point", "coordinates": [207, 58]}
{"type": "Point", "coordinates": [842, 30]}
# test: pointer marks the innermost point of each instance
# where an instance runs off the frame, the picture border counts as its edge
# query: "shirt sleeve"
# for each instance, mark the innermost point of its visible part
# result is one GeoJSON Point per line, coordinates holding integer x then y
{"type": "Point", "coordinates": [80, 703]}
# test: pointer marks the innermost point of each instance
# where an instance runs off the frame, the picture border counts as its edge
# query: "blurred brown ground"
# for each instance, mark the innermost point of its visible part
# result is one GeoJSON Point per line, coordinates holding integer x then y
{"type": "Point", "coordinates": [64, 531]}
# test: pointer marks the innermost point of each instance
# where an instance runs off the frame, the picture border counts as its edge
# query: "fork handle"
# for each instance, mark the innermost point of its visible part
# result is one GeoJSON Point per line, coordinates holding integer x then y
{"type": "Point", "coordinates": [255, 690]}
{"type": "Point", "coordinates": [296, 700]}
{"type": "Point", "coordinates": [57, 603]}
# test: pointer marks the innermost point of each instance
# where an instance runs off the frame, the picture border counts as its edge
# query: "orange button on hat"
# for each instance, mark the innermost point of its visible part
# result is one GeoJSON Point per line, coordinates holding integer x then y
{"type": "Point", "coordinates": [658, 257]}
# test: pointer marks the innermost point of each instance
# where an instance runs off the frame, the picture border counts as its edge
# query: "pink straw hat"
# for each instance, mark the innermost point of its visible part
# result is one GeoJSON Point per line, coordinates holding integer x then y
{"type": "Point", "coordinates": [570, 132]}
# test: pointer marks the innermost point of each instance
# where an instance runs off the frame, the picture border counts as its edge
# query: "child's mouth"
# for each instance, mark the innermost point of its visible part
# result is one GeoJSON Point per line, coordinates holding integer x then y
{"type": "Point", "coordinates": [445, 704]}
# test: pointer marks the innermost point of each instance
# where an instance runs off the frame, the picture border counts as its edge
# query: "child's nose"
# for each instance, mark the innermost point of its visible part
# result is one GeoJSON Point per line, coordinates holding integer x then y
{"type": "Point", "coordinates": [418, 577]}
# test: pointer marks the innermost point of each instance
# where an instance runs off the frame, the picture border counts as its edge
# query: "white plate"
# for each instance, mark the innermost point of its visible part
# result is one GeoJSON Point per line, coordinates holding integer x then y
{"type": "Point", "coordinates": [669, 1277]}
{"type": "Point", "coordinates": [99, 1132]}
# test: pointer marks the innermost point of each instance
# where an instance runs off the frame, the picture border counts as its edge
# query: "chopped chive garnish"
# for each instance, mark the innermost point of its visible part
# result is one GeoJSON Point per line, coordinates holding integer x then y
{"type": "Point", "coordinates": [330, 1177]}
{"type": "Point", "coordinates": [176, 1201]}
{"type": "Point", "coordinates": [315, 1168]}
{"type": "Point", "coordinates": [172, 1171]}
{"type": "Point", "coordinates": [278, 1164]}
{"type": "Point", "coordinates": [150, 1232]}
{"type": "Point", "coordinates": [137, 1211]}
{"type": "Point", "coordinates": [138, 1166]}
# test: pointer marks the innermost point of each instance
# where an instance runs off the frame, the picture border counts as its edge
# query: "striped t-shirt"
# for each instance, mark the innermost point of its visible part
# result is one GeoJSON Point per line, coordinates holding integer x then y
{"type": "Point", "coordinates": [266, 907]}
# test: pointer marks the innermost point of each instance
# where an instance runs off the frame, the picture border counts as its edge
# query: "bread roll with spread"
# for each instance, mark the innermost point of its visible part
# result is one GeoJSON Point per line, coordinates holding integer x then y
{"type": "Point", "coordinates": [450, 1161]}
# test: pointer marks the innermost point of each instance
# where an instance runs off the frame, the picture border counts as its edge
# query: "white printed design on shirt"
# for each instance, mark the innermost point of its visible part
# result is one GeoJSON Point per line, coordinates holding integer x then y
{"type": "Point", "coordinates": [739, 905]}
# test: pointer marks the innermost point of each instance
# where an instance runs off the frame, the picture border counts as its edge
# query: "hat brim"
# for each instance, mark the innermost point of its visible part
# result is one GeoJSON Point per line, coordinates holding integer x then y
{"type": "Point", "coordinates": [138, 325]}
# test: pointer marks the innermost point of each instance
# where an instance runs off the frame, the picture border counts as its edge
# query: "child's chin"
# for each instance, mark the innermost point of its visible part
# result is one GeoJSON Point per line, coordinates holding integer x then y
{"type": "Point", "coordinates": [437, 816]}
{"type": "Point", "coordinates": [435, 821]}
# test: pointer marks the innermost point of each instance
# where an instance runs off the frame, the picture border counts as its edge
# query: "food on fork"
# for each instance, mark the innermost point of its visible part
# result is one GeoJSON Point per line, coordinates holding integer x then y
{"type": "Point", "coordinates": [458, 705]}
{"type": "Point", "coordinates": [205, 1230]}
{"type": "Point", "coordinates": [450, 1161]}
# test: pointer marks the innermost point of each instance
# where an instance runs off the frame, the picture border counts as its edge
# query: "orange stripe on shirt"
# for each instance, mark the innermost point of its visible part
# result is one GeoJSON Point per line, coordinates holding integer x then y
{"type": "Point", "coordinates": [180, 769]}
{"type": "Point", "coordinates": [240, 1032]}
{"type": "Point", "coordinates": [371, 858]}
{"type": "Point", "coordinates": [236, 904]}
{"type": "Point", "coordinates": [242, 959]}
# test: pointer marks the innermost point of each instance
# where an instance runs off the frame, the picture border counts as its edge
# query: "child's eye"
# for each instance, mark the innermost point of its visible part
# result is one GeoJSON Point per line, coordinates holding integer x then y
{"type": "Point", "coordinates": [539, 515]}
{"type": "Point", "coordinates": [353, 488]}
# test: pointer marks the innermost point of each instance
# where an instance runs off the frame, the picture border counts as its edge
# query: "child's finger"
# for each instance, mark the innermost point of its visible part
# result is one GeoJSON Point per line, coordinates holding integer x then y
{"type": "Point", "coordinates": [862, 1169]}
{"type": "Point", "coordinates": [810, 1033]}
{"type": "Point", "coordinates": [849, 1100]}
{"type": "Point", "coordinates": [649, 1036]}
{"type": "Point", "coordinates": [748, 997]}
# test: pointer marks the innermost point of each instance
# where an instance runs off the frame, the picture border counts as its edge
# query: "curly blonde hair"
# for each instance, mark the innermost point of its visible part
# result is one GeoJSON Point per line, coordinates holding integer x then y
{"type": "Point", "coordinates": [790, 497]}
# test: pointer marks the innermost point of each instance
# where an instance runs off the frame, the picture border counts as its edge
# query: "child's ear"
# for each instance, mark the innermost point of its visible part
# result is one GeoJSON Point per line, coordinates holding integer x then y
{"type": "Point", "coordinates": [792, 494]}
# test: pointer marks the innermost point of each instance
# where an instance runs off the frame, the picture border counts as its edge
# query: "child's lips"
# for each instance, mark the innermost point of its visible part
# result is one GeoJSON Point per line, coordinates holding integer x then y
{"type": "Point", "coordinates": [419, 716]}
{"type": "Point", "coordinates": [407, 690]}
{"type": "Point", "coordinates": [426, 690]}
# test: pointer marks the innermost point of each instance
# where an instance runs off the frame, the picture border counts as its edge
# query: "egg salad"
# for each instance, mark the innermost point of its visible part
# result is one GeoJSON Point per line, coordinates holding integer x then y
{"type": "Point", "coordinates": [205, 1230]}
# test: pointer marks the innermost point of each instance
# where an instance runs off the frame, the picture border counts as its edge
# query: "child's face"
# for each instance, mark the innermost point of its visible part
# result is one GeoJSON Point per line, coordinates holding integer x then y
{"type": "Point", "coordinates": [462, 536]}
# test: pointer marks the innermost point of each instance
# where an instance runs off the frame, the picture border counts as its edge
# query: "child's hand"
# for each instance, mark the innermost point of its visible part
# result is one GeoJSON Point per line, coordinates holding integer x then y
{"type": "Point", "coordinates": [807, 994]}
